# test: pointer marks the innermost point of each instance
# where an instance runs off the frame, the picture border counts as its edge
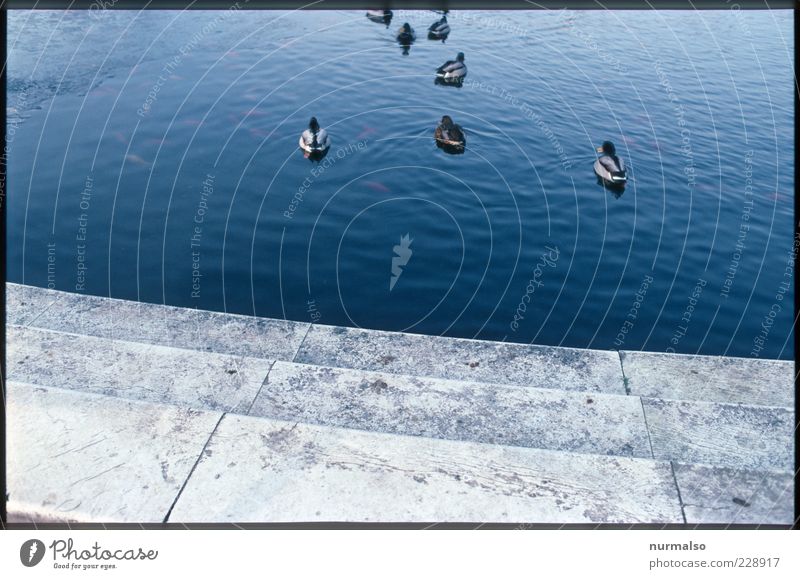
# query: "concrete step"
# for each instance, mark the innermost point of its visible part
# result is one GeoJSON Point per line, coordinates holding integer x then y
{"type": "Point", "coordinates": [259, 469]}
{"type": "Point", "coordinates": [461, 359]}
{"type": "Point", "coordinates": [154, 324]}
{"type": "Point", "coordinates": [710, 378]}
{"type": "Point", "coordinates": [200, 380]}
{"type": "Point", "coordinates": [414, 354]}
{"type": "Point", "coordinates": [74, 456]}
{"type": "Point", "coordinates": [735, 436]}
{"type": "Point", "coordinates": [713, 495]}
{"type": "Point", "coordinates": [726, 435]}
{"type": "Point", "coordinates": [455, 410]}
{"type": "Point", "coordinates": [655, 375]}
{"type": "Point", "coordinates": [24, 303]}
{"type": "Point", "coordinates": [79, 457]}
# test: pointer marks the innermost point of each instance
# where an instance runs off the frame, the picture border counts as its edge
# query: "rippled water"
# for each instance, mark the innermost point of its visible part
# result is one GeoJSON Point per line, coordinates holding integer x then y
{"type": "Point", "coordinates": [198, 196]}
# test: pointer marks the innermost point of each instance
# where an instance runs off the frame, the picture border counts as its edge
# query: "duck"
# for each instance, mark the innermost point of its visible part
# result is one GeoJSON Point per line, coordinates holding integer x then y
{"type": "Point", "coordinates": [610, 168]}
{"type": "Point", "coordinates": [453, 70]}
{"type": "Point", "coordinates": [406, 34]}
{"type": "Point", "coordinates": [380, 16]}
{"type": "Point", "coordinates": [314, 139]}
{"type": "Point", "coordinates": [449, 135]}
{"type": "Point", "coordinates": [439, 29]}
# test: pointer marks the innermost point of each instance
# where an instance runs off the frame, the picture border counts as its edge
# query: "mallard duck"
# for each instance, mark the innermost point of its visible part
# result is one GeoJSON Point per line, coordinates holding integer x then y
{"type": "Point", "coordinates": [380, 16]}
{"type": "Point", "coordinates": [439, 29]}
{"type": "Point", "coordinates": [406, 34]}
{"type": "Point", "coordinates": [314, 139]}
{"type": "Point", "coordinates": [449, 135]}
{"type": "Point", "coordinates": [610, 168]}
{"type": "Point", "coordinates": [453, 70]}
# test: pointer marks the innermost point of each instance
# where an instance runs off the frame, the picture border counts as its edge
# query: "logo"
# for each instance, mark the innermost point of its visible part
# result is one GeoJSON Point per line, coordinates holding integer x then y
{"type": "Point", "coordinates": [31, 553]}
{"type": "Point", "coordinates": [402, 255]}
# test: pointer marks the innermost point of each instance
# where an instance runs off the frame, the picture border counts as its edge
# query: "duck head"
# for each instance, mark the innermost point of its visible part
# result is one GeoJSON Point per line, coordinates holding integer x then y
{"type": "Point", "coordinates": [608, 148]}
{"type": "Point", "coordinates": [313, 124]}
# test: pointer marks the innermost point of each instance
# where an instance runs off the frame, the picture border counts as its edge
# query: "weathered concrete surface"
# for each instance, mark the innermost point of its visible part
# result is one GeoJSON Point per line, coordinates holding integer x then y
{"type": "Point", "coordinates": [200, 380]}
{"type": "Point", "coordinates": [459, 359]}
{"type": "Point", "coordinates": [81, 457]}
{"type": "Point", "coordinates": [722, 495]}
{"type": "Point", "coordinates": [24, 303]}
{"type": "Point", "coordinates": [478, 412]}
{"type": "Point", "coordinates": [284, 471]}
{"type": "Point", "coordinates": [257, 469]}
{"type": "Point", "coordinates": [170, 326]}
{"type": "Point", "coordinates": [728, 435]}
{"type": "Point", "coordinates": [710, 378]}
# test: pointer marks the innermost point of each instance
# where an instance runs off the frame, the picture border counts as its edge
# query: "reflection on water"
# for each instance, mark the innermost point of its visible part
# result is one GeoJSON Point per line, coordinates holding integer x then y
{"type": "Point", "coordinates": [186, 126]}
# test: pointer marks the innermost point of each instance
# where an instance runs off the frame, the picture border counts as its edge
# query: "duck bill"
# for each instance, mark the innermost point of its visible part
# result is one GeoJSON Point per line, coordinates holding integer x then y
{"type": "Point", "coordinates": [599, 149]}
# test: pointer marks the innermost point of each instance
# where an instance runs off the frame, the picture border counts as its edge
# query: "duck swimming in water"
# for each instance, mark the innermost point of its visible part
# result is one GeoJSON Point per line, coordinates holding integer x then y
{"type": "Point", "coordinates": [439, 29]}
{"type": "Point", "coordinates": [450, 136]}
{"type": "Point", "coordinates": [453, 70]}
{"type": "Point", "coordinates": [314, 140]}
{"type": "Point", "coordinates": [406, 34]}
{"type": "Point", "coordinates": [609, 168]}
{"type": "Point", "coordinates": [380, 16]}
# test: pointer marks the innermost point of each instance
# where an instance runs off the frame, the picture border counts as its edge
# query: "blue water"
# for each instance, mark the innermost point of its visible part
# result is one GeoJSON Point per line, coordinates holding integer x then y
{"type": "Point", "coordinates": [197, 195]}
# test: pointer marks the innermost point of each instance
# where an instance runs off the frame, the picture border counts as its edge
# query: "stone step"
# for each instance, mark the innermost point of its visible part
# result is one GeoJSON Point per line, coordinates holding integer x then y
{"type": "Point", "coordinates": [257, 469]}
{"type": "Point", "coordinates": [656, 375]}
{"type": "Point", "coordinates": [456, 410]}
{"type": "Point", "coordinates": [74, 456]}
{"type": "Point", "coordinates": [154, 324]}
{"type": "Point", "coordinates": [200, 380]}
{"type": "Point", "coordinates": [24, 303]}
{"type": "Point", "coordinates": [414, 354]}
{"type": "Point", "coordinates": [735, 496]}
{"type": "Point", "coordinates": [710, 378]}
{"type": "Point", "coordinates": [81, 457]}
{"type": "Point", "coordinates": [462, 359]}
{"type": "Point", "coordinates": [735, 436]}
{"type": "Point", "coordinates": [727, 435]}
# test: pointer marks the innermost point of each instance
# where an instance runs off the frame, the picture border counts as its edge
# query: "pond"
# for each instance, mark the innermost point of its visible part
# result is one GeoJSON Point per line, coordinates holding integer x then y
{"type": "Point", "coordinates": [154, 156]}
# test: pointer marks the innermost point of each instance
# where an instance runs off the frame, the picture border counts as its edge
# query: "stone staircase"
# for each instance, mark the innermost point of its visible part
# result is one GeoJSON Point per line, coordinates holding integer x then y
{"type": "Point", "coordinates": [133, 412]}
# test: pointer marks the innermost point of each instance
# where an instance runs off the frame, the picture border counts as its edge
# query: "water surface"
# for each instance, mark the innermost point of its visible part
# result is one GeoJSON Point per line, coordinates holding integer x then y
{"type": "Point", "coordinates": [154, 157]}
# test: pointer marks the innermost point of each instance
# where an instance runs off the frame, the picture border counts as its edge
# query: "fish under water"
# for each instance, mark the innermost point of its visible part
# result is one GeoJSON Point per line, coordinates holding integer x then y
{"type": "Point", "coordinates": [367, 130]}
{"type": "Point", "coordinates": [136, 160]}
{"type": "Point", "coordinates": [376, 186]}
